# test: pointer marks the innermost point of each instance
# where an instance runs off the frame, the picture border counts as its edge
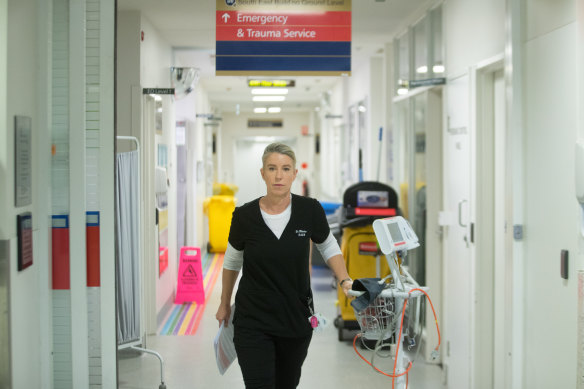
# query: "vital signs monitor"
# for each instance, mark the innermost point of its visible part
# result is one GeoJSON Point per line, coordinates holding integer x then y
{"type": "Point", "coordinates": [395, 234]}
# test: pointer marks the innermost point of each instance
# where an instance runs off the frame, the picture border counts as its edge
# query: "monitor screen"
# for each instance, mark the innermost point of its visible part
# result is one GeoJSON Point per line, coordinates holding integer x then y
{"type": "Point", "coordinates": [372, 199]}
{"type": "Point", "coordinates": [394, 232]}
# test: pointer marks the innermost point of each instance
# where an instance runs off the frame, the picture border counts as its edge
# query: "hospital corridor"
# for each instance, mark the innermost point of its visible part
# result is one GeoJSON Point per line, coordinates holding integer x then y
{"type": "Point", "coordinates": [287, 194]}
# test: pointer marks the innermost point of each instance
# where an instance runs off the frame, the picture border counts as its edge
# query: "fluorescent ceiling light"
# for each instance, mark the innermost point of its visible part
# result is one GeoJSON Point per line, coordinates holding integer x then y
{"type": "Point", "coordinates": [269, 91]}
{"type": "Point", "coordinates": [362, 108]}
{"type": "Point", "coordinates": [156, 97]}
{"type": "Point", "coordinates": [274, 109]}
{"type": "Point", "coordinates": [438, 69]}
{"type": "Point", "coordinates": [269, 98]}
{"type": "Point", "coordinates": [260, 110]}
{"type": "Point", "coordinates": [268, 139]}
{"type": "Point", "coordinates": [402, 91]}
{"type": "Point", "coordinates": [422, 69]}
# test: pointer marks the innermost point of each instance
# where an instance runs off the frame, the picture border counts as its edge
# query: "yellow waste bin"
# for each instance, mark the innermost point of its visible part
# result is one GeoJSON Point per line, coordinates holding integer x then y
{"type": "Point", "coordinates": [222, 188]}
{"type": "Point", "coordinates": [219, 210]}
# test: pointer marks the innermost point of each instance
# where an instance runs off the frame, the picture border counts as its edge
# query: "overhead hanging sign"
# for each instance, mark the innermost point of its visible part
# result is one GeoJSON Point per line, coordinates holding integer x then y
{"type": "Point", "coordinates": [283, 37]}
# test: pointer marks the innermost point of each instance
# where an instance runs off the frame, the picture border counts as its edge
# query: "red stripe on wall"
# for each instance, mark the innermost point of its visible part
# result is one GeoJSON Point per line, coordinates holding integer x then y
{"type": "Point", "coordinates": [93, 273]}
{"type": "Point", "coordinates": [60, 253]}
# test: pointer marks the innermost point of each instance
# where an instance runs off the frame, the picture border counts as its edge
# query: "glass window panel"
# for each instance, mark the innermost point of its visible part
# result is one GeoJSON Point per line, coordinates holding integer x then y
{"type": "Point", "coordinates": [420, 31]}
{"type": "Point", "coordinates": [437, 43]}
{"type": "Point", "coordinates": [402, 154]}
{"type": "Point", "coordinates": [418, 200]}
{"type": "Point", "coordinates": [402, 62]}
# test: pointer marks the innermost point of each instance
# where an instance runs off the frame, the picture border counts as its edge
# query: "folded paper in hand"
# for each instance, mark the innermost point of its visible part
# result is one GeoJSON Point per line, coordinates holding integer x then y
{"type": "Point", "coordinates": [224, 347]}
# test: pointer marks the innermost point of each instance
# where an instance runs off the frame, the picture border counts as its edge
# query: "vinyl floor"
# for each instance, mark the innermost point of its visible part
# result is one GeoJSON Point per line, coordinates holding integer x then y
{"type": "Point", "coordinates": [189, 361]}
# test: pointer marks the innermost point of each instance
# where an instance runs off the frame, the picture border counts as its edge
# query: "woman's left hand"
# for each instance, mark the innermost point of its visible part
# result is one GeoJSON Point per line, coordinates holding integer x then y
{"type": "Point", "coordinates": [347, 287]}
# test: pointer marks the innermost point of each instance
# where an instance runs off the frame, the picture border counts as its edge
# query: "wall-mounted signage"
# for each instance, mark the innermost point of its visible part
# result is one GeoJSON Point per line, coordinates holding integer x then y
{"type": "Point", "coordinates": [427, 82]}
{"type": "Point", "coordinates": [158, 91]}
{"type": "Point", "coordinates": [209, 116]}
{"type": "Point", "coordinates": [265, 123]}
{"type": "Point", "coordinates": [24, 230]}
{"type": "Point", "coordinates": [271, 83]}
{"type": "Point", "coordinates": [22, 161]}
{"type": "Point", "coordinates": [283, 37]}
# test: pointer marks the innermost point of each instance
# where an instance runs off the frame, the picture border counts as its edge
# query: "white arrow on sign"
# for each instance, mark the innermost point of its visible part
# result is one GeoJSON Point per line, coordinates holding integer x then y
{"type": "Point", "coordinates": [225, 17]}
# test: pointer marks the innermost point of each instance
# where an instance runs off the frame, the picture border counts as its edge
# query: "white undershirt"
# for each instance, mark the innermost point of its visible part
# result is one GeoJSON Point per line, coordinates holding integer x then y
{"type": "Point", "coordinates": [233, 259]}
{"type": "Point", "coordinates": [277, 222]}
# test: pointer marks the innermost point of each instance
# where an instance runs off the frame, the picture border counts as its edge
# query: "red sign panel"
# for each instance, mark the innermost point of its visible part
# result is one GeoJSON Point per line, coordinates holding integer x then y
{"type": "Point", "coordinates": [283, 37]}
{"type": "Point", "coordinates": [322, 26]}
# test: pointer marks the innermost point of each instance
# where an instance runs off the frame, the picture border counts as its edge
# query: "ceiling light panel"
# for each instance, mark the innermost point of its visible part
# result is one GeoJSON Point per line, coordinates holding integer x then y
{"type": "Point", "coordinates": [269, 91]}
{"type": "Point", "coordinates": [269, 98]}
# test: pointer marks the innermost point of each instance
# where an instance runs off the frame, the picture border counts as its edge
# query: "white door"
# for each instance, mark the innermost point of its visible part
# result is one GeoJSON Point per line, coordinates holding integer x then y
{"type": "Point", "coordinates": [458, 285]}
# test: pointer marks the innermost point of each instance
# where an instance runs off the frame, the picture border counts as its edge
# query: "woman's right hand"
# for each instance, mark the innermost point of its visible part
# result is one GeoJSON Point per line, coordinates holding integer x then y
{"type": "Point", "coordinates": [223, 314]}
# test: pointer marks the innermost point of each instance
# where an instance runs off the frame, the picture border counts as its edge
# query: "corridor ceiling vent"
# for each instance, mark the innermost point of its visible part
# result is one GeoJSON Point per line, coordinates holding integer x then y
{"type": "Point", "coordinates": [183, 80]}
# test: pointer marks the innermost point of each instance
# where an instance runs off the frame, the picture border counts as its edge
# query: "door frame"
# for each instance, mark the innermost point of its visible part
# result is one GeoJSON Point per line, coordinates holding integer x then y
{"type": "Point", "coordinates": [489, 212]}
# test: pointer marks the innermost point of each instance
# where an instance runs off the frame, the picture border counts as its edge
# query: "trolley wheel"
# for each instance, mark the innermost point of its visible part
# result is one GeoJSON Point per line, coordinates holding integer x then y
{"type": "Point", "coordinates": [209, 248]}
{"type": "Point", "coordinates": [341, 334]}
{"type": "Point", "coordinates": [339, 323]}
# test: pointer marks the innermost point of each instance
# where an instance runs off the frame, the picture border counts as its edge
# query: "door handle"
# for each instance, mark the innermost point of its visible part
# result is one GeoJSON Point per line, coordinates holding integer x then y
{"type": "Point", "coordinates": [460, 212]}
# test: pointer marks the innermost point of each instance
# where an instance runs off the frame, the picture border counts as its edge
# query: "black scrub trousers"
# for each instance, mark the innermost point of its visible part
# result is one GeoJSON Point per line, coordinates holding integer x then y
{"type": "Point", "coordinates": [273, 303]}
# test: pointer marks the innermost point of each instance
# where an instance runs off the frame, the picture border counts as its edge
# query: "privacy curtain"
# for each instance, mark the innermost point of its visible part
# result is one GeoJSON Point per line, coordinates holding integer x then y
{"type": "Point", "coordinates": [128, 246]}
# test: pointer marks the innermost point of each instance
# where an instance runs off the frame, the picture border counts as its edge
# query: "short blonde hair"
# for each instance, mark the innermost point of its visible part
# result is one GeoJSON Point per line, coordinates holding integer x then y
{"type": "Point", "coordinates": [279, 148]}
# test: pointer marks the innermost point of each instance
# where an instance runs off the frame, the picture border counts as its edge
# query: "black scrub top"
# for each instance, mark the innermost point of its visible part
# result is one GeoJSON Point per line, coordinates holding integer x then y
{"type": "Point", "coordinates": [274, 294]}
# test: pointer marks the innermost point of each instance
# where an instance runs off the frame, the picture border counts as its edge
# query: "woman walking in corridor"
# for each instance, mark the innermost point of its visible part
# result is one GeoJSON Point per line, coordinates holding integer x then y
{"type": "Point", "coordinates": [269, 240]}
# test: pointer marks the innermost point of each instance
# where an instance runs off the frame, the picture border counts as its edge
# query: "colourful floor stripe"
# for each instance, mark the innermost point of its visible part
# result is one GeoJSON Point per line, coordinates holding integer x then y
{"type": "Point", "coordinates": [184, 319]}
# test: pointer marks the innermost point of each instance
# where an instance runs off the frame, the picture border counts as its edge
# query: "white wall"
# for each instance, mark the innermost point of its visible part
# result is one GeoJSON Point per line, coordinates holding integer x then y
{"type": "Point", "coordinates": [155, 63]}
{"type": "Point", "coordinates": [128, 68]}
{"type": "Point", "coordinates": [146, 64]}
{"type": "Point", "coordinates": [155, 57]}
{"type": "Point", "coordinates": [197, 142]}
{"type": "Point", "coordinates": [551, 211]}
{"type": "Point", "coordinates": [473, 31]}
{"type": "Point", "coordinates": [550, 112]}
{"type": "Point", "coordinates": [376, 109]}
{"type": "Point", "coordinates": [367, 83]}
{"type": "Point", "coordinates": [22, 54]}
{"type": "Point", "coordinates": [331, 145]}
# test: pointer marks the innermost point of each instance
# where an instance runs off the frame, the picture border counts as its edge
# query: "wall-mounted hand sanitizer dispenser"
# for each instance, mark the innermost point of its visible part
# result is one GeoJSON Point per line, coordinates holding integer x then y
{"type": "Point", "coordinates": [579, 170]}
